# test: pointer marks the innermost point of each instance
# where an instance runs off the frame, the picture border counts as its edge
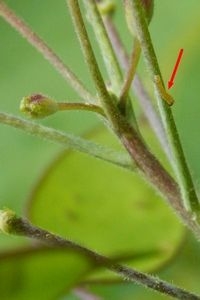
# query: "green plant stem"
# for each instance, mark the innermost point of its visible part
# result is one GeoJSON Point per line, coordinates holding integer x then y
{"type": "Point", "coordinates": [12, 224]}
{"type": "Point", "coordinates": [179, 164]}
{"type": "Point", "coordinates": [109, 58]}
{"type": "Point", "coordinates": [18, 24]}
{"type": "Point", "coordinates": [135, 55]}
{"type": "Point", "coordinates": [68, 141]}
{"type": "Point", "coordinates": [88, 53]}
{"type": "Point", "coordinates": [147, 163]}
{"type": "Point", "coordinates": [108, 54]}
{"type": "Point", "coordinates": [138, 88]}
{"type": "Point", "coordinates": [80, 106]}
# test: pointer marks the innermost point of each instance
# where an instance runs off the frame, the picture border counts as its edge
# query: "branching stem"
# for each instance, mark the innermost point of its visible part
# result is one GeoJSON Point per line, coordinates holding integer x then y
{"type": "Point", "coordinates": [148, 165]}
{"type": "Point", "coordinates": [138, 87]}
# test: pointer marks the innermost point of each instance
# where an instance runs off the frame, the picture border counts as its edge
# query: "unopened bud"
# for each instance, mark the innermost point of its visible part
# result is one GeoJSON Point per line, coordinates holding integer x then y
{"type": "Point", "coordinates": [38, 106]}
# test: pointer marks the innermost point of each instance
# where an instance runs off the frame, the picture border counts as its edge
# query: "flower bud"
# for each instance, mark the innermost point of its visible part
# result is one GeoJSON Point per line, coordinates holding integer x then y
{"type": "Point", "coordinates": [38, 106]}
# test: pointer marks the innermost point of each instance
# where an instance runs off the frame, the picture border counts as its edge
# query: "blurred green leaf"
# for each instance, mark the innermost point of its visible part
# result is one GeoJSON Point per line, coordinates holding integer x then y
{"type": "Point", "coordinates": [39, 273]}
{"type": "Point", "coordinates": [106, 209]}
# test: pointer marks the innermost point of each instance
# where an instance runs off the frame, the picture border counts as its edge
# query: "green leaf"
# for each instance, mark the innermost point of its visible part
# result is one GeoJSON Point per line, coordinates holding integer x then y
{"type": "Point", "coordinates": [106, 209]}
{"type": "Point", "coordinates": [39, 273]}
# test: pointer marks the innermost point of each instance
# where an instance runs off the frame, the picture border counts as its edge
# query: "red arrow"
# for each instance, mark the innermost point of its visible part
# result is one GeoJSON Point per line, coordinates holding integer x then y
{"type": "Point", "coordinates": [171, 81]}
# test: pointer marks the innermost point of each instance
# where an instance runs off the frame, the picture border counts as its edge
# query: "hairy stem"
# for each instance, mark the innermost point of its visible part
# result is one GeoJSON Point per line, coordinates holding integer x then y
{"type": "Point", "coordinates": [180, 166]}
{"type": "Point", "coordinates": [12, 224]}
{"type": "Point", "coordinates": [46, 51]}
{"type": "Point", "coordinates": [107, 51]}
{"type": "Point", "coordinates": [135, 55]}
{"type": "Point", "coordinates": [80, 106]}
{"type": "Point", "coordinates": [109, 58]}
{"type": "Point", "coordinates": [138, 88]}
{"type": "Point", "coordinates": [88, 52]}
{"type": "Point", "coordinates": [147, 163]}
{"type": "Point", "coordinates": [68, 141]}
{"type": "Point", "coordinates": [153, 171]}
{"type": "Point", "coordinates": [107, 102]}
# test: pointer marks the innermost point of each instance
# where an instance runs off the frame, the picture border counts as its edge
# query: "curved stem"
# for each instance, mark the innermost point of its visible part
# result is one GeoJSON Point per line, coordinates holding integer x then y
{"type": "Point", "coordinates": [12, 224]}
{"type": "Point", "coordinates": [68, 141]}
{"type": "Point", "coordinates": [46, 51]}
{"type": "Point", "coordinates": [80, 106]}
{"type": "Point", "coordinates": [180, 166]}
{"type": "Point", "coordinates": [135, 55]}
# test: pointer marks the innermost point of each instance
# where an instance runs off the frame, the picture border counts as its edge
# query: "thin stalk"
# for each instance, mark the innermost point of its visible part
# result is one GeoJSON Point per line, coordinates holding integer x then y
{"type": "Point", "coordinates": [80, 106]}
{"type": "Point", "coordinates": [34, 39]}
{"type": "Point", "coordinates": [12, 224]}
{"type": "Point", "coordinates": [108, 54]}
{"type": "Point", "coordinates": [138, 87]}
{"type": "Point", "coordinates": [180, 166]}
{"type": "Point", "coordinates": [104, 97]}
{"type": "Point", "coordinates": [68, 141]}
{"type": "Point", "coordinates": [109, 58]}
{"type": "Point", "coordinates": [134, 58]}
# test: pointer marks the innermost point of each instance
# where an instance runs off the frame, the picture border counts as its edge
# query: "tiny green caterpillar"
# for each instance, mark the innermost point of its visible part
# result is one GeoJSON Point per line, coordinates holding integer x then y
{"type": "Point", "coordinates": [164, 95]}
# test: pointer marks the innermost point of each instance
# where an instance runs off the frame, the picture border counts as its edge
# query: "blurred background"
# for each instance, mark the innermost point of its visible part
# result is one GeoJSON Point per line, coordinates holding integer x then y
{"type": "Point", "coordinates": [23, 71]}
